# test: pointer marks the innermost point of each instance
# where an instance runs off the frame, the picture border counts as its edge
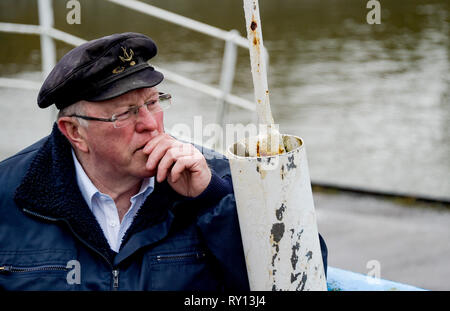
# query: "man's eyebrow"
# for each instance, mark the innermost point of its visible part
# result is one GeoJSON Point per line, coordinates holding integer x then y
{"type": "Point", "coordinates": [152, 97]}
{"type": "Point", "coordinates": [132, 103]}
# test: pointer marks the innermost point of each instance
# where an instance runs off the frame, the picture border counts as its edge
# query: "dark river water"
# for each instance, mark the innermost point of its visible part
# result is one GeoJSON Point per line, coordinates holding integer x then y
{"type": "Point", "coordinates": [370, 101]}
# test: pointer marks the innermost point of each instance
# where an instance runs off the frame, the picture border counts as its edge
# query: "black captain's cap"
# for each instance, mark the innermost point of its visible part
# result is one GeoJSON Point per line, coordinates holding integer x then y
{"type": "Point", "coordinates": [101, 69]}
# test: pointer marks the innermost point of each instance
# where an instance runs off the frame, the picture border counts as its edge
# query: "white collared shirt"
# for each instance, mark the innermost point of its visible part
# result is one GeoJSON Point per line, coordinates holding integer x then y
{"type": "Point", "coordinates": [104, 208]}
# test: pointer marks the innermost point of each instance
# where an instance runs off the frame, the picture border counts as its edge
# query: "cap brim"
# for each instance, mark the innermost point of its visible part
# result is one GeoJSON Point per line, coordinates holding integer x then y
{"type": "Point", "coordinates": [147, 77]}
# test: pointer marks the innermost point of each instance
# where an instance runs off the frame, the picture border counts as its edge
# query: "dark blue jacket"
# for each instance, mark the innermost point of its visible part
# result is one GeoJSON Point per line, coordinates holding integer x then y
{"type": "Point", "coordinates": [50, 240]}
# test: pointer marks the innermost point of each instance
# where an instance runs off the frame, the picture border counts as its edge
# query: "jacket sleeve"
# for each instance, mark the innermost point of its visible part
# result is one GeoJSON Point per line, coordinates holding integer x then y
{"type": "Point", "coordinates": [324, 250]}
{"type": "Point", "coordinates": [219, 225]}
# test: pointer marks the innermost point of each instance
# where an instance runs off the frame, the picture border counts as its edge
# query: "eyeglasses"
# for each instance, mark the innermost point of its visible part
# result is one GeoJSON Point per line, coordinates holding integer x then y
{"type": "Point", "coordinates": [129, 116]}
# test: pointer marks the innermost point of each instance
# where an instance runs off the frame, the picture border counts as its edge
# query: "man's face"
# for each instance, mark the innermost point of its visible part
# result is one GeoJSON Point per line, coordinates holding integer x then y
{"type": "Point", "coordinates": [118, 151]}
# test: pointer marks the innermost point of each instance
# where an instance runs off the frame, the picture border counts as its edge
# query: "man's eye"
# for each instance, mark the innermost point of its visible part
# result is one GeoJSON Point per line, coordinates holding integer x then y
{"type": "Point", "coordinates": [151, 105]}
{"type": "Point", "coordinates": [123, 115]}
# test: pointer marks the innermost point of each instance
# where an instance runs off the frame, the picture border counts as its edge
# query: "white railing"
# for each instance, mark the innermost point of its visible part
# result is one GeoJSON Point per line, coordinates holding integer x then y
{"type": "Point", "coordinates": [48, 51]}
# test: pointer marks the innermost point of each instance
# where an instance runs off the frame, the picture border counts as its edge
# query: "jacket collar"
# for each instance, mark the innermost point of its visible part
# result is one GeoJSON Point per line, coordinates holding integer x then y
{"type": "Point", "coordinates": [49, 189]}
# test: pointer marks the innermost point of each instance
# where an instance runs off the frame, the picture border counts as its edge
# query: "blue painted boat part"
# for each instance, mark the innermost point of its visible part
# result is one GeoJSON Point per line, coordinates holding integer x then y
{"type": "Point", "coordinates": [343, 280]}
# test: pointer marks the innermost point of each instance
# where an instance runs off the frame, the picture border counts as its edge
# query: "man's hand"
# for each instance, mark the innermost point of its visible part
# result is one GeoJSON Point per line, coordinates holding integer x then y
{"type": "Point", "coordinates": [182, 164]}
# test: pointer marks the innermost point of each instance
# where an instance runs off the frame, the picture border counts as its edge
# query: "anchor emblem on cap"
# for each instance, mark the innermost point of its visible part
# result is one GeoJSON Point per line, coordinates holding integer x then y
{"type": "Point", "coordinates": [126, 58]}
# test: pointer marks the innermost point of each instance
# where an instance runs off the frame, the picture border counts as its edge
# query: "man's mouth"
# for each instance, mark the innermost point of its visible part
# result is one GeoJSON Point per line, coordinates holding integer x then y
{"type": "Point", "coordinates": [140, 148]}
{"type": "Point", "coordinates": [154, 134]}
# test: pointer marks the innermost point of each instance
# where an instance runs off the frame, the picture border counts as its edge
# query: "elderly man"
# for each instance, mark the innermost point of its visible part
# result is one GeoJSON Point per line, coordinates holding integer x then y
{"type": "Point", "coordinates": [109, 200]}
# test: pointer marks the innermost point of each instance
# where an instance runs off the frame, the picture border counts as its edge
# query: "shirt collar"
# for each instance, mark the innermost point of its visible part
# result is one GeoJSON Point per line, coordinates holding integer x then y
{"type": "Point", "coordinates": [147, 187]}
{"type": "Point", "coordinates": [89, 190]}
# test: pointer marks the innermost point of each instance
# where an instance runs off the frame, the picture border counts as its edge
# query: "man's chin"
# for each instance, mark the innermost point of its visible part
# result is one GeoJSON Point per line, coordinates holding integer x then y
{"type": "Point", "coordinates": [140, 160]}
{"type": "Point", "coordinates": [145, 173]}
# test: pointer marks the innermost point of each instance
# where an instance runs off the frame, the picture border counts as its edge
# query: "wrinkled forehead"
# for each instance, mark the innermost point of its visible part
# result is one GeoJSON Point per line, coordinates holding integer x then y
{"type": "Point", "coordinates": [135, 97]}
{"type": "Point", "coordinates": [131, 98]}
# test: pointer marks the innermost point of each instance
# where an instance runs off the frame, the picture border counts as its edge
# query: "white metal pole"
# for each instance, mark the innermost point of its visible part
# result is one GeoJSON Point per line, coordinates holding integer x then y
{"type": "Point", "coordinates": [226, 80]}
{"type": "Point", "coordinates": [277, 220]}
{"type": "Point", "coordinates": [257, 61]}
{"type": "Point", "coordinates": [178, 20]}
{"type": "Point", "coordinates": [270, 142]}
{"type": "Point", "coordinates": [48, 49]}
{"type": "Point", "coordinates": [273, 194]}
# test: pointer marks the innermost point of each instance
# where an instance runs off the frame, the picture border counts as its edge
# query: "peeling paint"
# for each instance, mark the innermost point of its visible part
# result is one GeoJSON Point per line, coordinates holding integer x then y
{"type": "Point", "coordinates": [279, 244]}
{"type": "Point", "coordinates": [254, 33]}
{"type": "Point", "coordinates": [277, 247]}
{"type": "Point", "coordinates": [299, 234]}
{"type": "Point", "coordinates": [291, 165]}
{"type": "Point", "coordinates": [274, 257]}
{"type": "Point", "coordinates": [302, 283]}
{"type": "Point", "coordinates": [282, 172]}
{"type": "Point", "coordinates": [279, 212]}
{"type": "Point", "coordinates": [276, 234]}
{"type": "Point", "coordinates": [309, 255]}
{"type": "Point", "coordinates": [261, 172]}
{"type": "Point", "coordinates": [292, 232]}
{"type": "Point", "coordinates": [294, 277]}
{"type": "Point", "coordinates": [294, 256]}
{"type": "Point", "coordinates": [277, 231]}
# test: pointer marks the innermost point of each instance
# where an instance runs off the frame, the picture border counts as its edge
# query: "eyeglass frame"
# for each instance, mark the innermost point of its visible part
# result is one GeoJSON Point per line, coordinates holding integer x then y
{"type": "Point", "coordinates": [134, 111]}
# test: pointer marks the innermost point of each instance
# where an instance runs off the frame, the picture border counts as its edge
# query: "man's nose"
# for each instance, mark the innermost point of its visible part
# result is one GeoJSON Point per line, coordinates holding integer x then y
{"type": "Point", "coordinates": [145, 120]}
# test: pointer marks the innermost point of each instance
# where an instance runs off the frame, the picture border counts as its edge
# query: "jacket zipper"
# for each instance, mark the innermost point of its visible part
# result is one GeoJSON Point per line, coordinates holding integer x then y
{"type": "Point", "coordinates": [115, 271]}
{"type": "Point", "coordinates": [8, 269]}
{"type": "Point", "coordinates": [198, 255]}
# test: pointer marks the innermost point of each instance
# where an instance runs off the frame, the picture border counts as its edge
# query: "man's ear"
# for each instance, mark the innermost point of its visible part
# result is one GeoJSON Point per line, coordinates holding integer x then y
{"type": "Point", "coordinates": [73, 132]}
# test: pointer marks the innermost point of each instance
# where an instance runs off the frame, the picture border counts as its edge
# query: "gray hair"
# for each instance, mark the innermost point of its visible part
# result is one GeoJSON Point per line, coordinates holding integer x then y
{"type": "Point", "coordinates": [77, 108]}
